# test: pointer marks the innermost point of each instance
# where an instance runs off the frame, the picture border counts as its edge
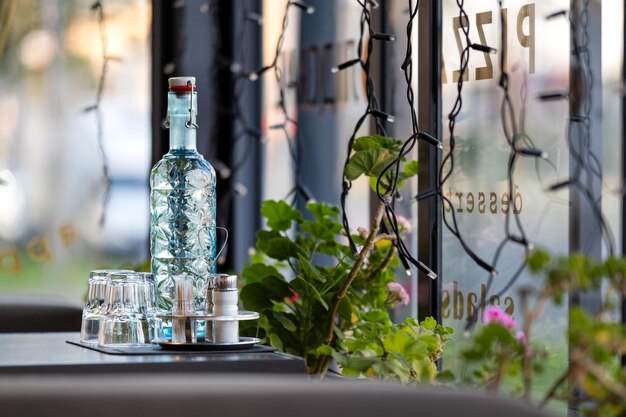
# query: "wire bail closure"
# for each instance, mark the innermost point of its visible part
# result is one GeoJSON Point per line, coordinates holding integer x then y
{"type": "Point", "coordinates": [190, 123]}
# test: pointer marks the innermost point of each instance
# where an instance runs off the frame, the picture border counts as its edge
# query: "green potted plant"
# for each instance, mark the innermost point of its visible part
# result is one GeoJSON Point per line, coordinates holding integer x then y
{"type": "Point", "coordinates": [320, 302]}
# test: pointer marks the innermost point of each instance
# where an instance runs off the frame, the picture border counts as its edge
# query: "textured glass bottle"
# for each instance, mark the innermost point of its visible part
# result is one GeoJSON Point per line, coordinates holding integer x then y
{"type": "Point", "coordinates": [182, 203]}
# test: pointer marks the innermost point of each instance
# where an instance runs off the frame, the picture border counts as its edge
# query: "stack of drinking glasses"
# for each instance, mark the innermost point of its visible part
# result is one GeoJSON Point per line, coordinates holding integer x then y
{"type": "Point", "coordinates": [121, 309]}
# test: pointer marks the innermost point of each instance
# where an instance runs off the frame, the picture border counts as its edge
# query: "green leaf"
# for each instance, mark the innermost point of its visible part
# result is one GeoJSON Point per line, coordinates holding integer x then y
{"type": "Point", "coordinates": [281, 248]}
{"type": "Point", "coordinates": [302, 287]}
{"type": "Point", "coordinates": [359, 363]}
{"type": "Point", "coordinates": [429, 323]}
{"type": "Point", "coordinates": [322, 350]}
{"type": "Point", "coordinates": [276, 288]}
{"type": "Point", "coordinates": [538, 260]}
{"type": "Point", "coordinates": [395, 367]}
{"type": "Point", "coordinates": [432, 343]}
{"type": "Point", "coordinates": [345, 309]}
{"type": "Point", "coordinates": [282, 307]}
{"type": "Point", "coordinates": [275, 341]}
{"type": "Point", "coordinates": [263, 238]}
{"type": "Point", "coordinates": [398, 342]}
{"type": "Point", "coordinates": [377, 316]}
{"type": "Point", "coordinates": [322, 211]}
{"type": "Point", "coordinates": [308, 270]}
{"type": "Point", "coordinates": [446, 376]}
{"type": "Point", "coordinates": [374, 142]}
{"type": "Point", "coordinates": [317, 231]}
{"type": "Point", "coordinates": [279, 214]}
{"type": "Point", "coordinates": [257, 271]}
{"type": "Point", "coordinates": [410, 169]}
{"type": "Point", "coordinates": [285, 321]}
{"type": "Point", "coordinates": [369, 162]}
{"type": "Point", "coordinates": [254, 298]}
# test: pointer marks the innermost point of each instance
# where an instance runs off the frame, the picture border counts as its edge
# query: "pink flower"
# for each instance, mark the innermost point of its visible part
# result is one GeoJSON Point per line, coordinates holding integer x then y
{"type": "Point", "coordinates": [397, 293]}
{"type": "Point", "coordinates": [363, 232]}
{"type": "Point", "coordinates": [523, 340]}
{"type": "Point", "coordinates": [493, 314]}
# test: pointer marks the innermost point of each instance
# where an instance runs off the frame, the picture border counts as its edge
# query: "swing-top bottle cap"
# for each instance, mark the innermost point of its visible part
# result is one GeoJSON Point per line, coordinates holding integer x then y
{"type": "Point", "coordinates": [182, 83]}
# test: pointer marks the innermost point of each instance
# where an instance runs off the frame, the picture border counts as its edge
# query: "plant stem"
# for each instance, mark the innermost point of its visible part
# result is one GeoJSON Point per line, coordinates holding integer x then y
{"type": "Point", "coordinates": [551, 393]}
{"type": "Point", "coordinates": [494, 384]}
{"type": "Point", "coordinates": [527, 359]}
{"type": "Point", "coordinates": [369, 243]}
{"type": "Point", "coordinates": [385, 262]}
{"type": "Point", "coordinates": [384, 236]}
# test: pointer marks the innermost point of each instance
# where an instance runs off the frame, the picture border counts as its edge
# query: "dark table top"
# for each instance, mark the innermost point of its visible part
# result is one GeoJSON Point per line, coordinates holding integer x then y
{"type": "Point", "coordinates": [23, 353]}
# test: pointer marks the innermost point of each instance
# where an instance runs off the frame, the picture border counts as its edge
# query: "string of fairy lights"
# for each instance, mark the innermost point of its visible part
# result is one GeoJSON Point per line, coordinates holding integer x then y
{"type": "Point", "coordinates": [393, 169]}
{"type": "Point", "coordinates": [512, 123]}
{"type": "Point", "coordinates": [289, 122]}
{"type": "Point", "coordinates": [587, 163]}
{"type": "Point", "coordinates": [449, 158]}
{"type": "Point", "coordinates": [243, 130]}
{"type": "Point", "coordinates": [367, 36]}
{"type": "Point", "coordinates": [98, 8]}
{"type": "Point", "coordinates": [521, 145]}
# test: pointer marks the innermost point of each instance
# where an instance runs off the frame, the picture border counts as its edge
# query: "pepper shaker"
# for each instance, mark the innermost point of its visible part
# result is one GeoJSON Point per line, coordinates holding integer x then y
{"type": "Point", "coordinates": [225, 298]}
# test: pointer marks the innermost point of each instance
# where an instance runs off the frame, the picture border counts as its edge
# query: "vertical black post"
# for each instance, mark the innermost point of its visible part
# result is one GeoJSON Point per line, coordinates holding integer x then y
{"type": "Point", "coordinates": [379, 69]}
{"type": "Point", "coordinates": [163, 49]}
{"type": "Point", "coordinates": [429, 105]}
{"type": "Point", "coordinates": [221, 132]}
{"type": "Point", "coordinates": [245, 211]}
{"type": "Point", "coordinates": [585, 229]}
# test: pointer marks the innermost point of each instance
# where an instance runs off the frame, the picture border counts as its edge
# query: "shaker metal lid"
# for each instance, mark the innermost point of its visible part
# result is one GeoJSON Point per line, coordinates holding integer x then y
{"type": "Point", "coordinates": [224, 282]}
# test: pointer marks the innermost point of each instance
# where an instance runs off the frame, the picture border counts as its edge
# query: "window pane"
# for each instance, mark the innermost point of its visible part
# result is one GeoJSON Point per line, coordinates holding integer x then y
{"type": "Point", "coordinates": [538, 60]}
{"type": "Point", "coordinates": [51, 61]}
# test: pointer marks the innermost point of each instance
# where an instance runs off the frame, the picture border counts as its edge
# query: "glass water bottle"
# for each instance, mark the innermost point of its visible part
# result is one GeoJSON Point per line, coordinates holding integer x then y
{"type": "Point", "coordinates": [182, 204]}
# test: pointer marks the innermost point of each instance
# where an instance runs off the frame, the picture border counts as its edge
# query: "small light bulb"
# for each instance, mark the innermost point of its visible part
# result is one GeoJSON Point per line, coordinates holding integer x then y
{"type": "Point", "coordinates": [235, 67]}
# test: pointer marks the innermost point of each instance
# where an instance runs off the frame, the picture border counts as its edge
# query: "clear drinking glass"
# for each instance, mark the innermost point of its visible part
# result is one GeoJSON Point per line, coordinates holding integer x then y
{"type": "Point", "coordinates": [124, 311]}
{"type": "Point", "coordinates": [152, 326]}
{"type": "Point", "coordinates": [92, 312]}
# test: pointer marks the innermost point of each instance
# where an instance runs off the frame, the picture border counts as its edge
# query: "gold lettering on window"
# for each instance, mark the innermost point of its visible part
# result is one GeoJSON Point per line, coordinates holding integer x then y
{"type": "Point", "coordinates": [486, 72]}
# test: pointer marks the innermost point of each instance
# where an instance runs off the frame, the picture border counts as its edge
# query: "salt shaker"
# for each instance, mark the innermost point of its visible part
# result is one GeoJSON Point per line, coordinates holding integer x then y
{"type": "Point", "coordinates": [225, 298]}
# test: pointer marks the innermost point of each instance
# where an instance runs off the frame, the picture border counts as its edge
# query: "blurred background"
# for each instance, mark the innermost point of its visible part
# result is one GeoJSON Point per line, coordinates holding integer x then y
{"type": "Point", "coordinates": [51, 199]}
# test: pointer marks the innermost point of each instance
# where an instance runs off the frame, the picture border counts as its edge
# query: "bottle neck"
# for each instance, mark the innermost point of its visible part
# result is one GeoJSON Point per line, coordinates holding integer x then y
{"type": "Point", "coordinates": [182, 133]}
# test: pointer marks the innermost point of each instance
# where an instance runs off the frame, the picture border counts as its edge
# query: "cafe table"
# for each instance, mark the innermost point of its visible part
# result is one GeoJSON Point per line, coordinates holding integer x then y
{"type": "Point", "coordinates": [49, 353]}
